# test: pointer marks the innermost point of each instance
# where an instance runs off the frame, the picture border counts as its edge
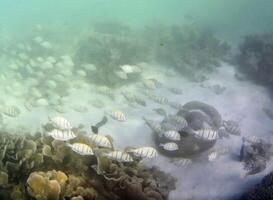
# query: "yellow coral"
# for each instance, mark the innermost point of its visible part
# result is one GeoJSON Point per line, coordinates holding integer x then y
{"type": "Point", "coordinates": [46, 186]}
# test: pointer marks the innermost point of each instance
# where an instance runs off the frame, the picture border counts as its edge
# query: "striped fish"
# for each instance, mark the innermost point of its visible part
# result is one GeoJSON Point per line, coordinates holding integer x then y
{"type": "Point", "coordinates": [172, 135]}
{"type": "Point", "coordinates": [181, 121]}
{"type": "Point", "coordinates": [206, 134]}
{"type": "Point", "coordinates": [100, 140]}
{"type": "Point", "coordinates": [212, 156]}
{"type": "Point", "coordinates": [218, 152]}
{"type": "Point", "coordinates": [149, 84]}
{"type": "Point", "coordinates": [175, 105]}
{"type": "Point", "coordinates": [104, 90]}
{"type": "Point", "coordinates": [252, 139]}
{"type": "Point", "coordinates": [171, 146]}
{"type": "Point", "coordinates": [82, 149]}
{"type": "Point", "coordinates": [118, 115]}
{"type": "Point", "coordinates": [60, 123]}
{"type": "Point", "coordinates": [181, 162]}
{"type": "Point", "coordinates": [144, 152]}
{"type": "Point", "coordinates": [175, 90]}
{"type": "Point", "coordinates": [119, 156]}
{"type": "Point", "coordinates": [62, 135]}
{"type": "Point", "coordinates": [11, 111]}
{"type": "Point", "coordinates": [232, 127]}
{"type": "Point", "coordinates": [159, 99]}
{"type": "Point", "coordinates": [154, 125]}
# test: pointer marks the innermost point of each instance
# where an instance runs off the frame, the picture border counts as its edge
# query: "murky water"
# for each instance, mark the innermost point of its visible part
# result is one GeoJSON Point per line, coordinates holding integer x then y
{"type": "Point", "coordinates": [190, 80]}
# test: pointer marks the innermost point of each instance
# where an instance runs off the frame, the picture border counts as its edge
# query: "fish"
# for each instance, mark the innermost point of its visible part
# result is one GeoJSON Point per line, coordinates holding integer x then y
{"type": "Point", "coordinates": [81, 148]}
{"type": "Point", "coordinates": [178, 120]}
{"type": "Point", "coordinates": [89, 67]}
{"type": "Point", "coordinates": [117, 115]}
{"type": "Point", "coordinates": [181, 162]}
{"type": "Point", "coordinates": [160, 111]}
{"type": "Point", "coordinates": [151, 84]}
{"type": "Point", "coordinates": [11, 111]}
{"type": "Point", "coordinates": [175, 90]}
{"type": "Point", "coordinates": [172, 135]}
{"type": "Point", "coordinates": [171, 146]}
{"type": "Point", "coordinates": [62, 135]}
{"type": "Point", "coordinates": [95, 128]}
{"type": "Point", "coordinates": [206, 134]}
{"type": "Point", "coordinates": [214, 154]}
{"type": "Point", "coordinates": [97, 103]}
{"type": "Point", "coordinates": [144, 152]}
{"type": "Point", "coordinates": [60, 123]}
{"type": "Point", "coordinates": [154, 125]}
{"type": "Point", "coordinates": [119, 156]}
{"type": "Point", "coordinates": [132, 98]}
{"type": "Point", "coordinates": [252, 139]}
{"type": "Point", "coordinates": [128, 69]}
{"type": "Point", "coordinates": [100, 140]}
{"type": "Point", "coordinates": [121, 74]}
{"type": "Point", "coordinates": [159, 99]}
{"type": "Point", "coordinates": [175, 105]}
{"type": "Point", "coordinates": [232, 127]}
{"type": "Point", "coordinates": [104, 90]}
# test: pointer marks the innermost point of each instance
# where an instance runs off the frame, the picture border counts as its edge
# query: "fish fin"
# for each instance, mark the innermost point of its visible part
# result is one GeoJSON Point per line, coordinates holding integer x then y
{"type": "Point", "coordinates": [111, 141]}
{"type": "Point", "coordinates": [94, 129]}
{"type": "Point", "coordinates": [129, 149]}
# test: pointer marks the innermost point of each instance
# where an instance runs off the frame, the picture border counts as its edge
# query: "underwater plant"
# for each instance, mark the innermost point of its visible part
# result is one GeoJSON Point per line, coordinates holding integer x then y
{"type": "Point", "coordinates": [255, 58]}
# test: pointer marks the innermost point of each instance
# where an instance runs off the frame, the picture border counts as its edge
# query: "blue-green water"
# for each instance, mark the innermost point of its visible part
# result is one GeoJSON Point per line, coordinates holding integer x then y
{"type": "Point", "coordinates": [140, 60]}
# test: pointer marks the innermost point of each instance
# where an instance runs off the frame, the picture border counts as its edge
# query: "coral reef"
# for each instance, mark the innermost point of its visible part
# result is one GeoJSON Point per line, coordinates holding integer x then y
{"type": "Point", "coordinates": [256, 57]}
{"type": "Point", "coordinates": [191, 50]}
{"type": "Point", "coordinates": [261, 191]}
{"type": "Point", "coordinates": [108, 49]}
{"type": "Point", "coordinates": [254, 154]}
{"type": "Point", "coordinates": [53, 172]}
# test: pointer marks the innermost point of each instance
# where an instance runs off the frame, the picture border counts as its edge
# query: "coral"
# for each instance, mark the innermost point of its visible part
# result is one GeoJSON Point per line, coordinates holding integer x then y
{"type": "Point", "coordinates": [107, 50]}
{"type": "Point", "coordinates": [255, 58]}
{"type": "Point", "coordinates": [188, 48]}
{"type": "Point", "coordinates": [261, 191]}
{"type": "Point", "coordinates": [255, 155]}
{"type": "Point", "coordinates": [51, 171]}
{"type": "Point", "coordinates": [42, 186]}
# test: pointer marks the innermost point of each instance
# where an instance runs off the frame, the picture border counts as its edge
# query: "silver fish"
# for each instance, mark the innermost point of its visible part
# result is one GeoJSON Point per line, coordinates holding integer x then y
{"type": "Point", "coordinates": [154, 125]}
{"type": "Point", "coordinates": [171, 146]}
{"type": "Point", "coordinates": [159, 99]}
{"type": "Point", "coordinates": [172, 135]}
{"type": "Point", "coordinates": [118, 115]}
{"type": "Point", "coordinates": [175, 90]}
{"type": "Point", "coordinates": [182, 162]}
{"type": "Point", "coordinates": [232, 127]}
{"type": "Point", "coordinates": [253, 139]}
{"type": "Point", "coordinates": [81, 148]}
{"type": "Point", "coordinates": [100, 140]}
{"type": "Point", "coordinates": [181, 122]}
{"type": "Point", "coordinates": [144, 152]}
{"type": "Point", "coordinates": [175, 105]}
{"type": "Point", "coordinates": [60, 123]}
{"type": "Point", "coordinates": [62, 135]}
{"type": "Point", "coordinates": [206, 134]}
{"type": "Point", "coordinates": [160, 111]}
{"type": "Point", "coordinates": [119, 156]}
{"type": "Point", "coordinates": [11, 111]}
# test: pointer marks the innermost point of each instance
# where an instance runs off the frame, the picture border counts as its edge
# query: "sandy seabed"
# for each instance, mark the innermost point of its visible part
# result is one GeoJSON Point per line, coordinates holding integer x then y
{"type": "Point", "coordinates": [223, 178]}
